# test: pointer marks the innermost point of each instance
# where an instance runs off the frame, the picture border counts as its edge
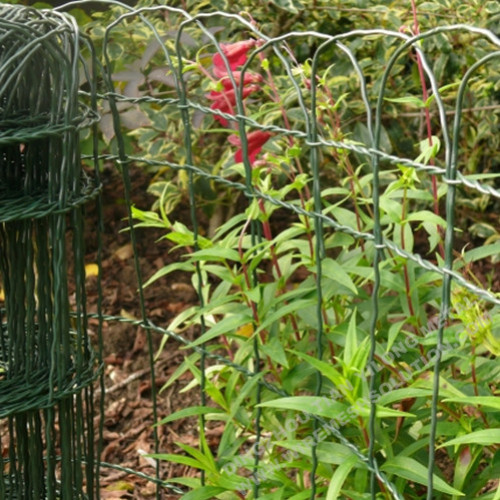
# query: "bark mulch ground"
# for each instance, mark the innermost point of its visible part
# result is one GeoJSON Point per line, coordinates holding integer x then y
{"type": "Point", "coordinates": [128, 423]}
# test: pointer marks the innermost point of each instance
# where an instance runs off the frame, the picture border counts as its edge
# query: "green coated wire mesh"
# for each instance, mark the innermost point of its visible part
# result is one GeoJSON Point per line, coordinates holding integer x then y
{"type": "Point", "coordinates": [48, 366]}
{"type": "Point", "coordinates": [174, 55]}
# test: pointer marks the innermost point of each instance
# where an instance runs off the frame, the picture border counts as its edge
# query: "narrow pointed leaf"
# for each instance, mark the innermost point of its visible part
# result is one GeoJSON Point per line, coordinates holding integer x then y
{"type": "Point", "coordinates": [328, 408]}
{"type": "Point", "coordinates": [229, 324]}
{"type": "Point", "coordinates": [484, 437]}
{"type": "Point", "coordinates": [410, 469]}
{"type": "Point", "coordinates": [193, 411]}
{"type": "Point", "coordinates": [490, 401]}
{"type": "Point", "coordinates": [203, 493]}
{"type": "Point", "coordinates": [339, 477]}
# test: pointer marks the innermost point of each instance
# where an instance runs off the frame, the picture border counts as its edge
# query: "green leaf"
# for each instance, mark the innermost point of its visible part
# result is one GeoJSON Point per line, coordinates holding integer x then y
{"type": "Point", "coordinates": [463, 463]}
{"type": "Point", "coordinates": [394, 330]}
{"type": "Point", "coordinates": [382, 412]}
{"type": "Point", "coordinates": [79, 14]}
{"type": "Point", "coordinates": [482, 230]}
{"type": "Point", "coordinates": [183, 236]}
{"type": "Point", "coordinates": [304, 495]}
{"type": "Point", "coordinates": [428, 149]}
{"type": "Point", "coordinates": [345, 217]}
{"type": "Point", "coordinates": [358, 361]}
{"type": "Point", "coordinates": [351, 341]}
{"type": "Point", "coordinates": [274, 349]}
{"type": "Point", "coordinates": [392, 208]}
{"type": "Point", "coordinates": [362, 134]}
{"type": "Point", "coordinates": [338, 478]}
{"type": "Point", "coordinates": [203, 493]}
{"type": "Point", "coordinates": [217, 254]}
{"type": "Point", "coordinates": [193, 411]}
{"type": "Point", "coordinates": [429, 6]}
{"type": "Point", "coordinates": [210, 388]}
{"type": "Point", "coordinates": [431, 98]}
{"type": "Point", "coordinates": [326, 369]}
{"type": "Point", "coordinates": [484, 437]}
{"type": "Point", "coordinates": [328, 408]}
{"type": "Point", "coordinates": [497, 494]}
{"type": "Point", "coordinates": [224, 326]}
{"type": "Point", "coordinates": [426, 216]}
{"type": "Point", "coordinates": [292, 307]}
{"type": "Point", "coordinates": [490, 401]}
{"type": "Point", "coordinates": [434, 236]}
{"type": "Point", "coordinates": [181, 369]}
{"type": "Point", "coordinates": [293, 6]}
{"type": "Point", "coordinates": [233, 222]}
{"type": "Point", "coordinates": [333, 270]}
{"type": "Point", "coordinates": [400, 394]}
{"type": "Point", "coordinates": [206, 459]}
{"type": "Point", "coordinates": [149, 219]}
{"type": "Point", "coordinates": [492, 7]}
{"type": "Point", "coordinates": [175, 266]}
{"type": "Point", "coordinates": [411, 100]}
{"type": "Point", "coordinates": [187, 316]}
{"type": "Point", "coordinates": [178, 459]}
{"type": "Point", "coordinates": [328, 453]}
{"type": "Point", "coordinates": [446, 388]}
{"type": "Point", "coordinates": [481, 252]}
{"type": "Point", "coordinates": [190, 482]}
{"type": "Point", "coordinates": [410, 469]}
{"type": "Point", "coordinates": [237, 403]}
{"type": "Point", "coordinates": [315, 405]}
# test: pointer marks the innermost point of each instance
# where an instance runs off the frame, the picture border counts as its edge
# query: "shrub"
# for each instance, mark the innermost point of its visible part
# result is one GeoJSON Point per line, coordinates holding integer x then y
{"type": "Point", "coordinates": [318, 328]}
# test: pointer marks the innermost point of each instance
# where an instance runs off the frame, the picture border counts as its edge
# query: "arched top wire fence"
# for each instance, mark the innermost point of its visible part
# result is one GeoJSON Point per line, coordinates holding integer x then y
{"type": "Point", "coordinates": [211, 100]}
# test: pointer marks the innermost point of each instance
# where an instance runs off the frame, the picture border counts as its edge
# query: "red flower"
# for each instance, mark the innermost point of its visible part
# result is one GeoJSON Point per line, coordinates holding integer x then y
{"type": "Point", "coordinates": [236, 54]}
{"type": "Point", "coordinates": [248, 79]}
{"type": "Point", "coordinates": [255, 141]}
{"type": "Point", "coordinates": [225, 101]}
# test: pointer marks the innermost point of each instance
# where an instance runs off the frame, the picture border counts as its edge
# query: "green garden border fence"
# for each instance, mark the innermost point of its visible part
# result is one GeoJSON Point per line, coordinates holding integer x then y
{"type": "Point", "coordinates": [153, 27]}
{"type": "Point", "coordinates": [48, 365]}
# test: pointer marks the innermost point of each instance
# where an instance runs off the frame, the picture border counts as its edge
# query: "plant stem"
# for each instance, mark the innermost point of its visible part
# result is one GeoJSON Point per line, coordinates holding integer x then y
{"type": "Point", "coordinates": [276, 98]}
{"type": "Point", "coordinates": [266, 227]}
{"type": "Point", "coordinates": [425, 96]}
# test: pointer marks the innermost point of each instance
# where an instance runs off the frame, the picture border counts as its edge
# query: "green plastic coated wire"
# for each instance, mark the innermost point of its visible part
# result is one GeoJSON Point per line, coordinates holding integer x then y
{"type": "Point", "coordinates": [48, 364]}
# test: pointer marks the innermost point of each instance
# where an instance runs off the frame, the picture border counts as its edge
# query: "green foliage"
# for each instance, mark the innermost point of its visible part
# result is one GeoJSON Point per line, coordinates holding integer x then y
{"type": "Point", "coordinates": [286, 296]}
{"type": "Point", "coordinates": [144, 69]}
{"type": "Point", "coordinates": [255, 299]}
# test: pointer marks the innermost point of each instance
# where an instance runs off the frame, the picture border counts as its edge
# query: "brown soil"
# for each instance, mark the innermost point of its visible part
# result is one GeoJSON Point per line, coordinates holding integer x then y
{"type": "Point", "coordinates": [128, 423]}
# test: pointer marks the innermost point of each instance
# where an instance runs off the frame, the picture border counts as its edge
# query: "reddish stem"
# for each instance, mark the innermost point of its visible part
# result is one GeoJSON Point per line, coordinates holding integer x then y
{"type": "Point", "coordinates": [276, 98]}
{"type": "Point", "coordinates": [228, 347]}
{"type": "Point", "coordinates": [246, 276]}
{"type": "Point", "coordinates": [425, 96]}
{"type": "Point", "coordinates": [251, 302]}
{"type": "Point", "coordinates": [266, 227]}
{"type": "Point", "coordinates": [405, 273]}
